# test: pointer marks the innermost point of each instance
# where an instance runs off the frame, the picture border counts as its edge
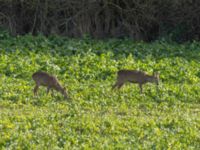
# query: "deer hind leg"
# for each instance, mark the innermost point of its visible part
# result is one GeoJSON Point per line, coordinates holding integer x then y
{"type": "Point", "coordinates": [114, 86]}
{"type": "Point", "coordinates": [120, 85]}
{"type": "Point", "coordinates": [35, 89]}
{"type": "Point", "coordinates": [141, 90]}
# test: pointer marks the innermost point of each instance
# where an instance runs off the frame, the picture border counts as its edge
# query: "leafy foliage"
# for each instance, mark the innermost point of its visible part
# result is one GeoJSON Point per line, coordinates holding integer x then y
{"type": "Point", "coordinates": [146, 20]}
{"type": "Point", "coordinates": [95, 117]}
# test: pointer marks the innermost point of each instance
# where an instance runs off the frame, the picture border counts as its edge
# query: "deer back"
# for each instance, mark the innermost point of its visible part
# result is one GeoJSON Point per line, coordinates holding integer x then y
{"type": "Point", "coordinates": [132, 76]}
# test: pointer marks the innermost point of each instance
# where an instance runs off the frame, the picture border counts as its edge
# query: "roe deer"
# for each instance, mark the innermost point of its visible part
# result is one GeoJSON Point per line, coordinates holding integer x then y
{"type": "Point", "coordinates": [51, 82]}
{"type": "Point", "coordinates": [135, 76]}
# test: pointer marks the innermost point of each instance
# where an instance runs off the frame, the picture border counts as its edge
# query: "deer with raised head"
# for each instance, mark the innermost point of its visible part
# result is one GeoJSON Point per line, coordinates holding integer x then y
{"type": "Point", "coordinates": [49, 81]}
{"type": "Point", "coordinates": [135, 76]}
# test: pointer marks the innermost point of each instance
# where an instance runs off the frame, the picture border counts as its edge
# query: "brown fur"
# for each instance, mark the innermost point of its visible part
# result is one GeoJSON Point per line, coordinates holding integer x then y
{"type": "Point", "coordinates": [134, 76]}
{"type": "Point", "coordinates": [49, 81]}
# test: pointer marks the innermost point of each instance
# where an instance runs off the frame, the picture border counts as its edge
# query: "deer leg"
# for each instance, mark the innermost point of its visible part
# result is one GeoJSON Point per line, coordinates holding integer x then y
{"type": "Point", "coordinates": [114, 86]}
{"type": "Point", "coordinates": [141, 90]}
{"type": "Point", "coordinates": [120, 85]}
{"type": "Point", "coordinates": [52, 92]}
{"type": "Point", "coordinates": [36, 89]}
{"type": "Point", "coordinates": [48, 88]}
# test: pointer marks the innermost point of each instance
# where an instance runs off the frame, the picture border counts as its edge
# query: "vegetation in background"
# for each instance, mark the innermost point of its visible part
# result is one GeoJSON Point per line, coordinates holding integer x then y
{"type": "Point", "coordinates": [95, 117]}
{"type": "Point", "coordinates": [146, 20]}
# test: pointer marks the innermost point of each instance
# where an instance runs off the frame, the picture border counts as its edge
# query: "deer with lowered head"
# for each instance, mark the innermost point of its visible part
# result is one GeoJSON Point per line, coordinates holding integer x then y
{"type": "Point", "coordinates": [135, 76]}
{"type": "Point", "coordinates": [49, 81]}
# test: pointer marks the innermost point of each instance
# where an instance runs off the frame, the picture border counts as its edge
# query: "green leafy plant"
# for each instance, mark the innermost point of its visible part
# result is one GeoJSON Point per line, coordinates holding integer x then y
{"type": "Point", "coordinates": [95, 117]}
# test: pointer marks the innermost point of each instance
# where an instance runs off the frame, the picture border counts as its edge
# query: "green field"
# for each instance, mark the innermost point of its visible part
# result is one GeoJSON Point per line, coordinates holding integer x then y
{"type": "Point", "coordinates": [94, 117]}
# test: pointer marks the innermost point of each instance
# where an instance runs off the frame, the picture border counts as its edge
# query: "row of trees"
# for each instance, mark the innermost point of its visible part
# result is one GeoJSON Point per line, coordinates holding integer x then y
{"type": "Point", "coordinates": [138, 19]}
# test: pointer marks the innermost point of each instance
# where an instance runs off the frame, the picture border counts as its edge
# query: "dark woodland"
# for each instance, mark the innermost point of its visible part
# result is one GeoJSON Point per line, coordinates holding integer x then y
{"type": "Point", "coordinates": [146, 20]}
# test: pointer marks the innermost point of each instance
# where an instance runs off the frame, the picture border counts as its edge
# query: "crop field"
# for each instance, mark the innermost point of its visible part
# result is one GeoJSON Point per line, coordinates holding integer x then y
{"type": "Point", "coordinates": [94, 116]}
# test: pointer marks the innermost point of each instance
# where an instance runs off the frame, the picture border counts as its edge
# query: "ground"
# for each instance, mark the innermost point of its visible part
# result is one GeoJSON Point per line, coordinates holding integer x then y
{"type": "Point", "coordinates": [94, 116]}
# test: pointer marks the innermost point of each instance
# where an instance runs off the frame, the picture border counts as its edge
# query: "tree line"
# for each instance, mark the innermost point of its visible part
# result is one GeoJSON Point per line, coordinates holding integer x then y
{"type": "Point", "coordinates": [146, 20]}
